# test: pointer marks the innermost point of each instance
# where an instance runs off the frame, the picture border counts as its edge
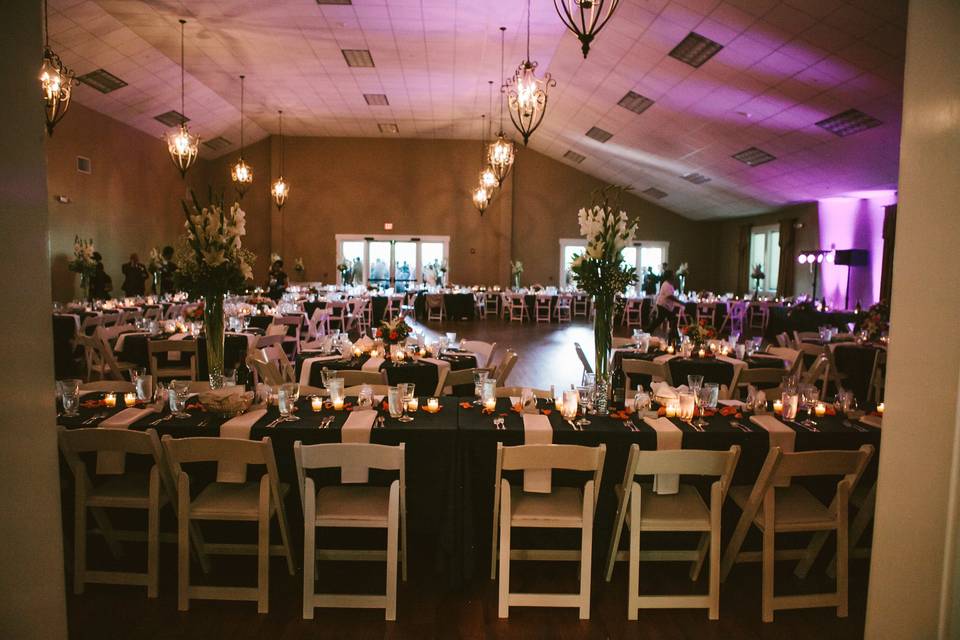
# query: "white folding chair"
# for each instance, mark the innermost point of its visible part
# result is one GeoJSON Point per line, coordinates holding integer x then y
{"type": "Point", "coordinates": [484, 351]}
{"type": "Point", "coordinates": [228, 501]}
{"type": "Point", "coordinates": [109, 386]}
{"type": "Point", "coordinates": [542, 308]}
{"type": "Point", "coordinates": [562, 508]}
{"type": "Point", "coordinates": [458, 378]}
{"type": "Point", "coordinates": [643, 510]}
{"type": "Point", "coordinates": [353, 378]}
{"type": "Point", "coordinates": [288, 323]}
{"type": "Point", "coordinates": [583, 360]}
{"type": "Point", "coordinates": [658, 372]}
{"type": "Point", "coordinates": [581, 305]}
{"type": "Point", "coordinates": [502, 371]}
{"type": "Point", "coordinates": [516, 392]}
{"type": "Point", "coordinates": [186, 348]}
{"type": "Point", "coordinates": [352, 506]}
{"type": "Point", "coordinates": [564, 308]}
{"type": "Point", "coordinates": [436, 309]}
{"type": "Point", "coordinates": [794, 509]}
{"type": "Point", "coordinates": [491, 304]}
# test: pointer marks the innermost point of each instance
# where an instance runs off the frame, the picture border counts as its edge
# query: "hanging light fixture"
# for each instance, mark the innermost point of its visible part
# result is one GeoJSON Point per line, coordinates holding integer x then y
{"type": "Point", "coordinates": [585, 18]}
{"type": "Point", "coordinates": [500, 153]}
{"type": "Point", "coordinates": [241, 173]}
{"type": "Point", "coordinates": [481, 198]}
{"type": "Point", "coordinates": [182, 145]}
{"type": "Point", "coordinates": [528, 94]}
{"type": "Point", "coordinates": [483, 192]}
{"type": "Point", "coordinates": [56, 80]}
{"type": "Point", "coordinates": [281, 188]}
{"type": "Point", "coordinates": [488, 179]}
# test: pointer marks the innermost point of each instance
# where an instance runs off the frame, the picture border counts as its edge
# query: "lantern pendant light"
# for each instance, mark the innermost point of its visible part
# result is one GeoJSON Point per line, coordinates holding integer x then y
{"type": "Point", "coordinates": [181, 144]}
{"type": "Point", "coordinates": [241, 173]}
{"type": "Point", "coordinates": [56, 80]}
{"type": "Point", "coordinates": [528, 94]}
{"type": "Point", "coordinates": [481, 198]}
{"type": "Point", "coordinates": [483, 192]}
{"type": "Point", "coordinates": [500, 153]}
{"type": "Point", "coordinates": [488, 179]}
{"type": "Point", "coordinates": [281, 188]}
{"type": "Point", "coordinates": [585, 18]}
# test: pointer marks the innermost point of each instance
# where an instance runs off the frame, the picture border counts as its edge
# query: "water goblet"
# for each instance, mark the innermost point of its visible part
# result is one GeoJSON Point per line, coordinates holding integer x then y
{"type": "Point", "coordinates": [584, 401]}
{"type": "Point", "coordinates": [406, 395]}
{"type": "Point", "coordinates": [395, 402]}
{"type": "Point", "coordinates": [695, 382]}
{"type": "Point", "coordinates": [479, 378]}
{"type": "Point", "coordinates": [287, 398]}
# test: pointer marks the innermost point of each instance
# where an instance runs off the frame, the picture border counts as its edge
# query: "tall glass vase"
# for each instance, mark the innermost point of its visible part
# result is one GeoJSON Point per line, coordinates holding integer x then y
{"type": "Point", "coordinates": [603, 340]}
{"type": "Point", "coordinates": [213, 327]}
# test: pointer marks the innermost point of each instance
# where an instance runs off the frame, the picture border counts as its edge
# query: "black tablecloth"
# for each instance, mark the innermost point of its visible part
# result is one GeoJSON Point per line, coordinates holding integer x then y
{"type": "Point", "coordinates": [712, 369]}
{"type": "Point", "coordinates": [425, 375]}
{"type": "Point", "coordinates": [135, 351]}
{"type": "Point", "coordinates": [857, 362]}
{"type": "Point", "coordinates": [459, 306]}
{"type": "Point", "coordinates": [789, 319]}
{"type": "Point", "coordinates": [64, 330]}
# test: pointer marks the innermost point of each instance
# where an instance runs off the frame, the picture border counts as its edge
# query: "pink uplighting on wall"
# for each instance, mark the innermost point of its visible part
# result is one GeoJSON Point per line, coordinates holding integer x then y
{"type": "Point", "coordinates": [854, 221]}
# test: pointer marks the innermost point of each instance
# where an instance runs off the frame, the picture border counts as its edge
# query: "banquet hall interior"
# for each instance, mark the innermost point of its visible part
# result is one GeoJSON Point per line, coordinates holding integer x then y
{"type": "Point", "coordinates": [502, 318]}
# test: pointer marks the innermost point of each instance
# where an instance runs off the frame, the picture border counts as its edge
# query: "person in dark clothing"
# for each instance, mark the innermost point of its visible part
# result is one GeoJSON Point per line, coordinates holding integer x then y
{"type": "Point", "coordinates": [167, 270]}
{"type": "Point", "coordinates": [100, 284]}
{"type": "Point", "coordinates": [650, 279]}
{"type": "Point", "coordinates": [134, 277]}
{"type": "Point", "coordinates": [667, 303]}
{"type": "Point", "coordinates": [277, 282]}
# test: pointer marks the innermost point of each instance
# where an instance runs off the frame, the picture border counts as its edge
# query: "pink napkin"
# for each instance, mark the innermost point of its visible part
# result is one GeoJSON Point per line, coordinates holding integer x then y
{"type": "Point", "coordinates": [669, 437]}
{"type": "Point", "coordinates": [537, 430]}
{"type": "Point", "coordinates": [357, 429]}
{"type": "Point", "coordinates": [238, 427]}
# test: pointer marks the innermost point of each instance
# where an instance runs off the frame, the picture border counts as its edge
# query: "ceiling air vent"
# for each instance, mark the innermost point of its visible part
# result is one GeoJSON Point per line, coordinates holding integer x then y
{"type": "Point", "coordinates": [102, 80]}
{"type": "Point", "coordinates": [357, 57]}
{"type": "Point", "coordinates": [655, 193]}
{"type": "Point", "coordinates": [574, 157]}
{"type": "Point", "coordinates": [696, 178]}
{"type": "Point", "coordinates": [753, 156]}
{"type": "Point", "coordinates": [376, 99]}
{"type": "Point", "coordinates": [388, 127]}
{"type": "Point", "coordinates": [635, 102]}
{"type": "Point", "coordinates": [695, 50]}
{"type": "Point", "coordinates": [599, 134]}
{"type": "Point", "coordinates": [171, 118]}
{"type": "Point", "coordinates": [216, 144]}
{"type": "Point", "coordinates": [849, 122]}
{"type": "Point", "coordinates": [83, 165]}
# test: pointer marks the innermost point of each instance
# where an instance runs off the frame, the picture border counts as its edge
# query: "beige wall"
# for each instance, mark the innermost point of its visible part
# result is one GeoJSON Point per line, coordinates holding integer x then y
{"type": "Point", "coordinates": [129, 203]}
{"type": "Point", "coordinates": [913, 569]}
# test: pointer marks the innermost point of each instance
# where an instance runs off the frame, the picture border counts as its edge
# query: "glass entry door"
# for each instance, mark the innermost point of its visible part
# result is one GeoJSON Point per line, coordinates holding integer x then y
{"type": "Point", "coordinates": [389, 261]}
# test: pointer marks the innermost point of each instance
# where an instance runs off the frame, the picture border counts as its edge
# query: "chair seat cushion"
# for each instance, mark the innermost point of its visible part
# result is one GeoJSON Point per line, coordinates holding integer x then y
{"type": "Point", "coordinates": [130, 490]}
{"type": "Point", "coordinates": [796, 509]}
{"type": "Point", "coordinates": [365, 505]}
{"type": "Point", "coordinates": [231, 501]}
{"type": "Point", "coordinates": [562, 507]}
{"type": "Point", "coordinates": [681, 511]}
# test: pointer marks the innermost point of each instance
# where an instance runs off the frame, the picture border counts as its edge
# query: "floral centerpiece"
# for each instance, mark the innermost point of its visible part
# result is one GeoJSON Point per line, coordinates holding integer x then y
{"type": "Point", "coordinates": [602, 273]}
{"type": "Point", "coordinates": [516, 268]}
{"type": "Point", "coordinates": [394, 331]}
{"type": "Point", "coordinates": [83, 263]}
{"type": "Point", "coordinates": [699, 333]}
{"type": "Point", "coordinates": [876, 321]}
{"type": "Point", "coordinates": [212, 262]}
{"type": "Point", "coordinates": [194, 312]}
{"type": "Point", "coordinates": [757, 276]}
{"type": "Point", "coordinates": [299, 268]}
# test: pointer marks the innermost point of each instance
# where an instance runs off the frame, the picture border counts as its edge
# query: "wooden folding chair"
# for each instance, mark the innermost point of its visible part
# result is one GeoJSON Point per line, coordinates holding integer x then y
{"type": "Point", "coordinates": [643, 510]}
{"type": "Point", "coordinates": [352, 506]}
{"type": "Point", "coordinates": [658, 371]}
{"type": "Point", "coordinates": [587, 368]}
{"type": "Point", "coordinates": [484, 351]}
{"type": "Point", "coordinates": [186, 348]}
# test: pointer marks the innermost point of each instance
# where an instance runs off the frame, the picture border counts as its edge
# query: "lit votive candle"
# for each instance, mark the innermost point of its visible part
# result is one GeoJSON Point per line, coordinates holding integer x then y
{"type": "Point", "coordinates": [338, 404]}
{"type": "Point", "coordinates": [129, 399]}
{"type": "Point", "coordinates": [110, 400]}
{"type": "Point", "coordinates": [671, 410]}
{"type": "Point", "coordinates": [413, 403]}
{"type": "Point", "coordinates": [701, 353]}
{"type": "Point", "coordinates": [357, 352]}
{"type": "Point", "coordinates": [490, 404]}
{"type": "Point", "coordinates": [433, 405]}
{"type": "Point", "coordinates": [670, 349]}
{"type": "Point", "coordinates": [316, 403]}
{"type": "Point", "coordinates": [778, 406]}
{"type": "Point", "coordinates": [880, 408]}
{"type": "Point", "coordinates": [820, 410]}
{"type": "Point", "coordinates": [374, 353]}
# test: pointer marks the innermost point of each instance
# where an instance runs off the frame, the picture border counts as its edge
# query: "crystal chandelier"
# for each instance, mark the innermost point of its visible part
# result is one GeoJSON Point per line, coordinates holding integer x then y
{"type": "Point", "coordinates": [585, 18]}
{"type": "Point", "coordinates": [500, 152]}
{"type": "Point", "coordinates": [182, 145]}
{"type": "Point", "coordinates": [281, 188]}
{"type": "Point", "coordinates": [56, 81]}
{"type": "Point", "coordinates": [241, 173]}
{"type": "Point", "coordinates": [527, 96]}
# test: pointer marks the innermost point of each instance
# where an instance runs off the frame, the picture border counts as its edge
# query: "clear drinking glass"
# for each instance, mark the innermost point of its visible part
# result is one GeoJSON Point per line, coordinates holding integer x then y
{"type": "Point", "coordinates": [144, 388]}
{"type": "Point", "coordinates": [394, 402]}
{"type": "Point", "coordinates": [335, 388]}
{"type": "Point", "coordinates": [287, 401]}
{"type": "Point", "coordinates": [687, 403]}
{"type": "Point", "coordinates": [179, 391]}
{"type": "Point", "coordinates": [479, 378]}
{"type": "Point", "coordinates": [584, 400]}
{"type": "Point", "coordinates": [365, 398]}
{"type": "Point", "coordinates": [69, 396]}
{"type": "Point", "coordinates": [809, 396]}
{"type": "Point", "coordinates": [790, 401]}
{"type": "Point", "coordinates": [641, 400]}
{"type": "Point", "coordinates": [324, 377]}
{"type": "Point", "coordinates": [406, 395]}
{"type": "Point", "coordinates": [695, 382]}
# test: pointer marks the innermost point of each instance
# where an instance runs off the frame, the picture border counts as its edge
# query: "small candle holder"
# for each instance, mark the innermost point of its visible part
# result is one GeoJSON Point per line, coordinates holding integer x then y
{"type": "Point", "coordinates": [778, 407]}
{"type": "Point", "coordinates": [880, 409]}
{"type": "Point", "coordinates": [110, 400]}
{"type": "Point", "coordinates": [820, 410]}
{"type": "Point", "coordinates": [357, 352]}
{"type": "Point", "coordinates": [670, 349]}
{"type": "Point", "coordinates": [338, 404]}
{"type": "Point", "coordinates": [316, 403]}
{"type": "Point", "coordinates": [129, 399]}
{"type": "Point", "coordinates": [672, 408]}
{"type": "Point", "coordinates": [433, 405]}
{"type": "Point", "coordinates": [490, 404]}
{"type": "Point", "coordinates": [413, 404]}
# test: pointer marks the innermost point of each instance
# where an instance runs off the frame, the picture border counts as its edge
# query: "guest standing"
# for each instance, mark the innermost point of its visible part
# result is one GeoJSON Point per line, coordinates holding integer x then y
{"type": "Point", "coordinates": [100, 284]}
{"type": "Point", "coordinates": [277, 282]}
{"type": "Point", "coordinates": [667, 303]}
{"type": "Point", "coordinates": [649, 285]}
{"type": "Point", "coordinates": [134, 277]}
{"type": "Point", "coordinates": [167, 269]}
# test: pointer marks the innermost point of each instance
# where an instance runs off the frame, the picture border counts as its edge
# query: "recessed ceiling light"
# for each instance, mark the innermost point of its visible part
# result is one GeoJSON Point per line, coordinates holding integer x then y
{"type": "Point", "coordinates": [635, 102]}
{"type": "Point", "coordinates": [599, 134]}
{"type": "Point", "coordinates": [849, 122]}
{"type": "Point", "coordinates": [574, 157]}
{"type": "Point", "coordinates": [172, 118]}
{"type": "Point", "coordinates": [376, 99]}
{"type": "Point", "coordinates": [388, 127]}
{"type": "Point", "coordinates": [753, 156]}
{"type": "Point", "coordinates": [696, 178]}
{"type": "Point", "coordinates": [102, 80]}
{"type": "Point", "coordinates": [695, 50]}
{"type": "Point", "coordinates": [653, 192]}
{"type": "Point", "coordinates": [357, 57]}
{"type": "Point", "coordinates": [216, 144]}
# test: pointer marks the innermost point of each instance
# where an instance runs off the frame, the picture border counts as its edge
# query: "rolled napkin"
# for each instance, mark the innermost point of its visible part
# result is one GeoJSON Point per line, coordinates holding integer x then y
{"type": "Point", "coordinates": [238, 427]}
{"type": "Point", "coordinates": [780, 436]}
{"type": "Point", "coordinates": [357, 429]}
{"type": "Point", "coordinates": [872, 421]}
{"type": "Point", "coordinates": [346, 349]}
{"type": "Point", "coordinates": [666, 392]}
{"type": "Point", "coordinates": [669, 437]}
{"type": "Point", "coordinates": [537, 430]}
{"type": "Point", "coordinates": [372, 364]}
{"type": "Point", "coordinates": [307, 366]}
{"type": "Point", "coordinates": [112, 462]}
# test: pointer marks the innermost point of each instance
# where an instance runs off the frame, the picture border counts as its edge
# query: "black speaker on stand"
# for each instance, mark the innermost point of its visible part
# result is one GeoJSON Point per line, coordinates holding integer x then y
{"type": "Point", "coordinates": [851, 258]}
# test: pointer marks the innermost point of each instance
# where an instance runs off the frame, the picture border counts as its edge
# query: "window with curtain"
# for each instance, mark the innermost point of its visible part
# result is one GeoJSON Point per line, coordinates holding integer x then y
{"type": "Point", "coordinates": [765, 251]}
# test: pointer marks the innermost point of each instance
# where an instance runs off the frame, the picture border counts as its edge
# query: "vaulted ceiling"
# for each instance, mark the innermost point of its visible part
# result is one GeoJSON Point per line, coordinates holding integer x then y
{"type": "Point", "coordinates": [783, 67]}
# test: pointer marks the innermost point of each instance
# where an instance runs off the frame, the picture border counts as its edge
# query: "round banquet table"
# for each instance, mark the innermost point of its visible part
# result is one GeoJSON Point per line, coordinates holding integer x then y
{"type": "Point", "coordinates": [423, 374]}
{"type": "Point", "coordinates": [135, 350]}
